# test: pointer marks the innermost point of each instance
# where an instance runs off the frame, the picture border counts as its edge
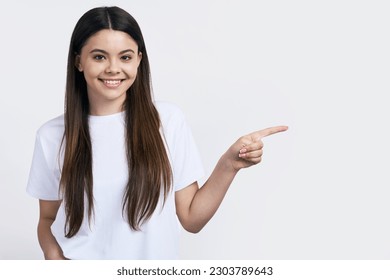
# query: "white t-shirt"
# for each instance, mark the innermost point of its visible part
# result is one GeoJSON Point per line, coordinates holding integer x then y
{"type": "Point", "coordinates": [108, 235]}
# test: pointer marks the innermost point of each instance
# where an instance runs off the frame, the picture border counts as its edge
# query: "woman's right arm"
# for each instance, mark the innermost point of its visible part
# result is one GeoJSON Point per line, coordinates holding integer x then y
{"type": "Point", "coordinates": [47, 214]}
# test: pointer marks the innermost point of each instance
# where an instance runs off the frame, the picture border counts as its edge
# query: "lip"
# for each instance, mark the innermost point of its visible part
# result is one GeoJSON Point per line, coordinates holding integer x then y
{"type": "Point", "coordinates": [112, 83]}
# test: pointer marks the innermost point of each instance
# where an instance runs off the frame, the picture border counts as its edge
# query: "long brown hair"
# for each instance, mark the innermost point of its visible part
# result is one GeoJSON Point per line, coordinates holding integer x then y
{"type": "Point", "coordinates": [149, 169]}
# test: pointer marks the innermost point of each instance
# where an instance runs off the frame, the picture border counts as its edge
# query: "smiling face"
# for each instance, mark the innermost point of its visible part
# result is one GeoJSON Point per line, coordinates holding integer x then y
{"type": "Point", "coordinates": [109, 61]}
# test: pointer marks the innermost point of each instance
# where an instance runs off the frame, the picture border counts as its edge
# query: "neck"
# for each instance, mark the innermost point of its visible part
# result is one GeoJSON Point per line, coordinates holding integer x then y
{"type": "Point", "coordinates": [106, 107]}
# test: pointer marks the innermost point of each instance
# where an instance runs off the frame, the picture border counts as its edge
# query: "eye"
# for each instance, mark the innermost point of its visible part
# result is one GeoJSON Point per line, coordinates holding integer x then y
{"type": "Point", "coordinates": [126, 57]}
{"type": "Point", "coordinates": [99, 57]}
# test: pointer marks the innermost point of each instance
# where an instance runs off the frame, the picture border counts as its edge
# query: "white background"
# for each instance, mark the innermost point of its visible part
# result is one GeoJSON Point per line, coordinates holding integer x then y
{"type": "Point", "coordinates": [320, 67]}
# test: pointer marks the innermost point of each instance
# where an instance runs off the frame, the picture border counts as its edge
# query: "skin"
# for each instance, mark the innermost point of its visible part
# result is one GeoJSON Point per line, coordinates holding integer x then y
{"type": "Point", "coordinates": [196, 206]}
{"type": "Point", "coordinates": [107, 57]}
{"type": "Point", "coordinates": [109, 61]}
{"type": "Point", "coordinates": [47, 214]}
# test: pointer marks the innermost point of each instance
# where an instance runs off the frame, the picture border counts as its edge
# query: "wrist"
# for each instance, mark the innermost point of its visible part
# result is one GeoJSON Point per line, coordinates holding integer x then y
{"type": "Point", "coordinates": [227, 165]}
{"type": "Point", "coordinates": [54, 255]}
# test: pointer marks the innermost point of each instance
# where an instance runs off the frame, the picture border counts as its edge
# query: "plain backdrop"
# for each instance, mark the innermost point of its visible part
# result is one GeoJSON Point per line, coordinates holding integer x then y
{"type": "Point", "coordinates": [320, 67]}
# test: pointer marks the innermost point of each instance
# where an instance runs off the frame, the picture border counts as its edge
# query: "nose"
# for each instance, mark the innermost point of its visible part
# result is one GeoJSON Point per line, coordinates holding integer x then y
{"type": "Point", "coordinates": [113, 67]}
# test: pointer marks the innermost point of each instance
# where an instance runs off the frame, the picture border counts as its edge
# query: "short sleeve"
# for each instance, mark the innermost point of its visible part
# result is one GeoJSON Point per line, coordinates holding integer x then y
{"type": "Point", "coordinates": [186, 162]}
{"type": "Point", "coordinates": [43, 182]}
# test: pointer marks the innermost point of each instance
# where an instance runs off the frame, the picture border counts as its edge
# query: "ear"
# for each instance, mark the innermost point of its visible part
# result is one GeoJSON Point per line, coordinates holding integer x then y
{"type": "Point", "coordinates": [139, 58]}
{"type": "Point", "coordinates": [77, 63]}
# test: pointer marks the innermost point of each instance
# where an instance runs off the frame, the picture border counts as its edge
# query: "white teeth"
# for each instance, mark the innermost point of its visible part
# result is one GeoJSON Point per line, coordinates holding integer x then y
{"type": "Point", "coordinates": [112, 82]}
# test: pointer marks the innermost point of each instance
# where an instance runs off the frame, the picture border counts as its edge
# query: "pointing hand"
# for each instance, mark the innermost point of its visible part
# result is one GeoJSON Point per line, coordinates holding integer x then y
{"type": "Point", "coordinates": [248, 149]}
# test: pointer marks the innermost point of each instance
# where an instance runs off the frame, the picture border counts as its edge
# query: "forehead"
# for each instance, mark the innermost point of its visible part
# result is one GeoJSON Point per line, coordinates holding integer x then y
{"type": "Point", "coordinates": [110, 41]}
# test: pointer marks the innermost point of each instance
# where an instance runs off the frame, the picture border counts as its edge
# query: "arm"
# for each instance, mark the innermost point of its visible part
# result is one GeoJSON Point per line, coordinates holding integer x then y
{"type": "Point", "coordinates": [47, 214]}
{"type": "Point", "coordinates": [196, 206]}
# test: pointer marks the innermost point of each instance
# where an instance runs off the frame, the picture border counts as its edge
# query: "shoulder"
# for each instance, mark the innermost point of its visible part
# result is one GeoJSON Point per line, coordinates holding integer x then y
{"type": "Point", "coordinates": [52, 130]}
{"type": "Point", "coordinates": [169, 112]}
{"type": "Point", "coordinates": [166, 109]}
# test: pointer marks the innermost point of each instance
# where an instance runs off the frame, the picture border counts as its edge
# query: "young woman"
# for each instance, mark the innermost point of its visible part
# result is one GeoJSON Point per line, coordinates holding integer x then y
{"type": "Point", "coordinates": [116, 172]}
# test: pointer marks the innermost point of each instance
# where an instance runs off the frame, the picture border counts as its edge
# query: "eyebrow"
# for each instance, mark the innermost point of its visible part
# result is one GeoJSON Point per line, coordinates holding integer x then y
{"type": "Point", "coordinates": [105, 52]}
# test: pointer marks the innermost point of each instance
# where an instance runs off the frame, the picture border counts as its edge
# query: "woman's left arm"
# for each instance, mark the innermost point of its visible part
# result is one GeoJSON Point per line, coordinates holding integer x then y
{"type": "Point", "coordinates": [196, 206]}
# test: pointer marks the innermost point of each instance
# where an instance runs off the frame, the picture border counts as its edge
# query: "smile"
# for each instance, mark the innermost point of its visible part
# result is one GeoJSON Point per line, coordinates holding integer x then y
{"type": "Point", "coordinates": [111, 83]}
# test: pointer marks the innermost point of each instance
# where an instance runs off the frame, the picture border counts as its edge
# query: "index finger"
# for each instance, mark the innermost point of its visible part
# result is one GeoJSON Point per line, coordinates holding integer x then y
{"type": "Point", "coordinates": [269, 131]}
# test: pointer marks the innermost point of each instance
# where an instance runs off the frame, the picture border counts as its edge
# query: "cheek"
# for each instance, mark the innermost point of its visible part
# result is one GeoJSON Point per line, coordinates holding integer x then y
{"type": "Point", "coordinates": [131, 71]}
{"type": "Point", "coordinates": [91, 71]}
